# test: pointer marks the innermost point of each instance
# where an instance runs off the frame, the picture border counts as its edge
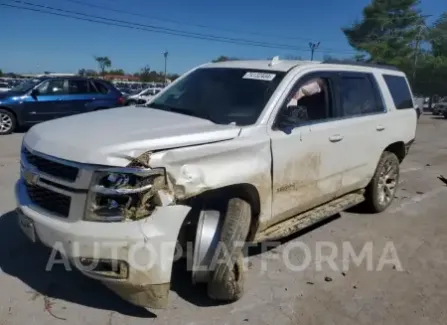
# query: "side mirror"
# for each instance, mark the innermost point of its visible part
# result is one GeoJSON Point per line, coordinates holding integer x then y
{"type": "Point", "coordinates": [35, 93]}
{"type": "Point", "coordinates": [281, 124]}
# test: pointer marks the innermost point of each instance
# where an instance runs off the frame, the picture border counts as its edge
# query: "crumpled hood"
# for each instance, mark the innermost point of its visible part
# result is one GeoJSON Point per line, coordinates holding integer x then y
{"type": "Point", "coordinates": [113, 136]}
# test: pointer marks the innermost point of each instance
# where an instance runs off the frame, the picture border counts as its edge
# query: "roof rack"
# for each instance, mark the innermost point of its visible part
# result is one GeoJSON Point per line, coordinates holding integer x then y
{"type": "Point", "coordinates": [362, 64]}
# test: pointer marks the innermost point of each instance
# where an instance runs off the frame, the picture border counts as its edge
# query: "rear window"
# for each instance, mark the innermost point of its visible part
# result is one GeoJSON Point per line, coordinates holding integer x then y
{"type": "Point", "coordinates": [101, 87]}
{"type": "Point", "coordinates": [400, 92]}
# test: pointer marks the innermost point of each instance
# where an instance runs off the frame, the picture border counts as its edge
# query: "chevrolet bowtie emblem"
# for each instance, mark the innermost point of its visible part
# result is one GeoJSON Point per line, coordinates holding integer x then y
{"type": "Point", "coordinates": [30, 177]}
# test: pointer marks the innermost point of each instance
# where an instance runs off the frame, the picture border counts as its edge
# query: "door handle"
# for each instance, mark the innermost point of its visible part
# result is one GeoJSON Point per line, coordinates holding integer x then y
{"type": "Point", "coordinates": [336, 138]}
{"type": "Point", "coordinates": [380, 128]}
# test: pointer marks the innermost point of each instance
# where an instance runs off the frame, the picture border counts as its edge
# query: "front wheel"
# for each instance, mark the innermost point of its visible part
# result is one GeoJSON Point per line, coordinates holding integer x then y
{"type": "Point", "coordinates": [226, 281]}
{"type": "Point", "coordinates": [382, 188]}
{"type": "Point", "coordinates": [8, 122]}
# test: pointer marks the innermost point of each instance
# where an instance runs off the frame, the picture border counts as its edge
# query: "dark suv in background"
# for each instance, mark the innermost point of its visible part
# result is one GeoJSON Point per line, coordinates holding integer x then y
{"type": "Point", "coordinates": [47, 98]}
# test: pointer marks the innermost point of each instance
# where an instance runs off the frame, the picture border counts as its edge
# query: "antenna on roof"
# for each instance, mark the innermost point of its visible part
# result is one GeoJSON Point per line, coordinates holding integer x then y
{"type": "Point", "coordinates": [275, 60]}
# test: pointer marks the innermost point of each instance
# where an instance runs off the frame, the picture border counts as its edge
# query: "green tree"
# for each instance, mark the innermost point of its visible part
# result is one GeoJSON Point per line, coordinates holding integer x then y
{"type": "Point", "coordinates": [87, 72]}
{"type": "Point", "coordinates": [103, 63]}
{"type": "Point", "coordinates": [1, 72]}
{"type": "Point", "coordinates": [144, 74]}
{"type": "Point", "coordinates": [355, 58]}
{"type": "Point", "coordinates": [431, 74]}
{"type": "Point", "coordinates": [224, 58]}
{"type": "Point", "coordinates": [173, 76]}
{"type": "Point", "coordinates": [119, 72]}
{"type": "Point", "coordinates": [438, 36]}
{"type": "Point", "coordinates": [388, 31]}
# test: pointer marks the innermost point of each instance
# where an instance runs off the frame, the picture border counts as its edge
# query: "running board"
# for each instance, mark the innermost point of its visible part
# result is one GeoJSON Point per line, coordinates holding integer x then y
{"type": "Point", "coordinates": [308, 218]}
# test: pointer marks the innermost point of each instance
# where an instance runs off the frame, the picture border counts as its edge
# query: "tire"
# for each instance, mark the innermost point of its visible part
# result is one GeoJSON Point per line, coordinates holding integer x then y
{"type": "Point", "coordinates": [131, 102]}
{"type": "Point", "coordinates": [374, 202]}
{"type": "Point", "coordinates": [227, 279]}
{"type": "Point", "coordinates": [8, 122]}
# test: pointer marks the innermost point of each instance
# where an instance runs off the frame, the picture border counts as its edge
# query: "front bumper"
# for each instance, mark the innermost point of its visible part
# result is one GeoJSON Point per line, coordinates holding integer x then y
{"type": "Point", "coordinates": [146, 246]}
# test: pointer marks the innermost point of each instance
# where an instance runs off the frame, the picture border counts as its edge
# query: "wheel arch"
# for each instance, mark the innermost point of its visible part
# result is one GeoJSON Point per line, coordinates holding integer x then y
{"type": "Point", "coordinates": [12, 112]}
{"type": "Point", "coordinates": [398, 148]}
{"type": "Point", "coordinates": [246, 191]}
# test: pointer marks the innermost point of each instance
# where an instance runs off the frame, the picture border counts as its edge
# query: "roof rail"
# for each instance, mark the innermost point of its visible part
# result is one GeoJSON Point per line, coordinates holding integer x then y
{"type": "Point", "coordinates": [362, 64]}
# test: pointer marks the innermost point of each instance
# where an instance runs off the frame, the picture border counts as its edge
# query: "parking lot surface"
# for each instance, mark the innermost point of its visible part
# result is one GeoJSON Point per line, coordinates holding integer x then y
{"type": "Point", "coordinates": [411, 289]}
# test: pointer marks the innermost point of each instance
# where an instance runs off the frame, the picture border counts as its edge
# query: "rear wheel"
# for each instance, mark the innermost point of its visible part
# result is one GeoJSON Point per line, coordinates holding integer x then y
{"type": "Point", "coordinates": [8, 122]}
{"type": "Point", "coordinates": [382, 188]}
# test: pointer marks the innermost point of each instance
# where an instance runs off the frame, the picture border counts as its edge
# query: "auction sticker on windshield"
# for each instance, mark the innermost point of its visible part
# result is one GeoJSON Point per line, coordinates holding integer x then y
{"type": "Point", "coordinates": [259, 76]}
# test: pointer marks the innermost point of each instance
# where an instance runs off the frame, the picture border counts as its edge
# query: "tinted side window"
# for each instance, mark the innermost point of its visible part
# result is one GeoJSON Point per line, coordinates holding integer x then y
{"type": "Point", "coordinates": [79, 87]}
{"type": "Point", "coordinates": [101, 87]}
{"type": "Point", "coordinates": [358, 96]}
{"type": "Point", "coordinates": [399, 91]}
{"type": "Point", "coordinates": [53, 87]}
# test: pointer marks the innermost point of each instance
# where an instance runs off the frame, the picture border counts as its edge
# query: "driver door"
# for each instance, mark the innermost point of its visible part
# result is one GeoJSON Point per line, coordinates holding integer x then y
{"type": "Point", "coordinates": [307, 150]}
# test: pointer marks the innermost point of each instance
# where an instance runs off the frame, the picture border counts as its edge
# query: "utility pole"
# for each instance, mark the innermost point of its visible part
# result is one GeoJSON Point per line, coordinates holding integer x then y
{"type": "Point", "coordinates": [416, 50]}
{"type": "Point", "coordinates": [165, 54]}
{"type": "Point", "coordinates": [313, 47]}
{"type": "Point", "coordinates": [418, 39]}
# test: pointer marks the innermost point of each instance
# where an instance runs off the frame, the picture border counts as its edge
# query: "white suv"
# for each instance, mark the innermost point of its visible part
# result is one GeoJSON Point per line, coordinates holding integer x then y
{"type": "Point", "coordinates": [231, 152]}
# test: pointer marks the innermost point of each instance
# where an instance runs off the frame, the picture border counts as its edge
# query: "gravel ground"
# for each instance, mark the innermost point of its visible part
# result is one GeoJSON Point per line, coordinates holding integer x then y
{"type": "Point", "coordinates": [409, 290]}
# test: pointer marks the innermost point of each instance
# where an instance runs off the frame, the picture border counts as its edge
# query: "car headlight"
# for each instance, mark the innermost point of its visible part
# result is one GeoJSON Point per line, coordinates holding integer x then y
{"type": "Point", "coordinates": [118, 194]}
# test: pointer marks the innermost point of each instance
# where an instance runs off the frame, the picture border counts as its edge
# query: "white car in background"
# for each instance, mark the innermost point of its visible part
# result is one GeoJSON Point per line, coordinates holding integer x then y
{"type": "Point", "coordinates": [4, 87]}
{"type": "Point", "coordinates": [144, 96]}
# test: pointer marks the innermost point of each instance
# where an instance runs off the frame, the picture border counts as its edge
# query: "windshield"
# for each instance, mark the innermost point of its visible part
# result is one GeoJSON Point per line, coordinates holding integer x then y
{"type": "Point", "coordinates": [26, 85]}
{"type": "Point", "coordinates": [222, 95]}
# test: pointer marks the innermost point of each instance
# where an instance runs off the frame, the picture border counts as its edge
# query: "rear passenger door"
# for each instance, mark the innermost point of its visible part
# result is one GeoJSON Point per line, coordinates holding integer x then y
{"type": "Point", "coordinates": [364, 126]}
{"type": "Point", "coordinates": [81, 93]}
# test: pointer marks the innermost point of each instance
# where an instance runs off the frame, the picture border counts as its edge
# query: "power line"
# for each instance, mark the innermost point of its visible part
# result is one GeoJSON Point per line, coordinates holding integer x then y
{"type": "Point", "coordinates": [120, 11]}
{"type": "Point", "coordinates": [169, 20]}
{"type": "Point", "coordinates": [162, 30]}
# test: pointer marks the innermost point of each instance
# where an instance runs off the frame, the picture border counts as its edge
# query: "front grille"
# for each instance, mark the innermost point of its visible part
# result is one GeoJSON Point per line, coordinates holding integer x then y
{"type": "Point", "coordinates": [48, 200]}
{"type": "Point", "coordinates": [52, 168]}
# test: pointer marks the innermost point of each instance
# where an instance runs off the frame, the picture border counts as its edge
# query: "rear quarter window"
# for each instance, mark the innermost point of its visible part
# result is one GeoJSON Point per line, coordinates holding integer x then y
{"type": "Point", "coordinates": [400, 91]}
{"type": "Point", "coordinates": [101, 87]}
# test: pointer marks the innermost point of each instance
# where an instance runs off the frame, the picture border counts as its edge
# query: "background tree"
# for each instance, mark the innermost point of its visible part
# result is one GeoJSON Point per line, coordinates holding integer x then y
{"type": "Point", "coordinates": [1, 72]}
{"type": "Point", "coordinates": [119, 72]}
{"type": "Point", "coordinates": [173, 76]}
{"type": "Point", "coordinates": [438, 36]}
{"type": "Point", "coordinates": [388, 31]}
{"type": "Point", "coordinates": [103, 63]}
{"type": "Point", "coordinates": [87, 72]}
{"type": "Point", "coordinates": [224, 58]}
{"type": "Point", "coordinates": [144, 74]}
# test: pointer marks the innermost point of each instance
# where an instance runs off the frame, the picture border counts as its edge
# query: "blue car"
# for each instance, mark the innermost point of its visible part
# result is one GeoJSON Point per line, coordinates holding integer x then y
{"type": "Point", "coordinates": [47, 98]}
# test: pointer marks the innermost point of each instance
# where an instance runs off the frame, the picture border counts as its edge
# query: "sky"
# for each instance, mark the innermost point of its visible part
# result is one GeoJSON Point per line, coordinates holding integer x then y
{"type": "Point", "coordinates": [33, 42]}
